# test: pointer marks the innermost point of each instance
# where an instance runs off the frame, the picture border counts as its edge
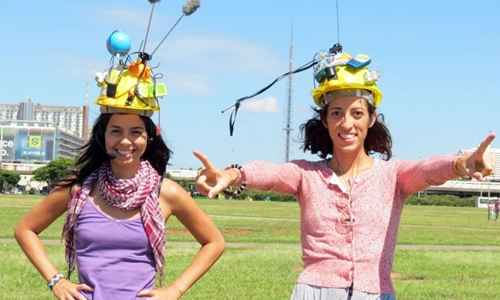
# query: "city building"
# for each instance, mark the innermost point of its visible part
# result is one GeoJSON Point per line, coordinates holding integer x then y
{"type": "Point", "coordinates": [32, 135]}
{"type": "Point", "coordinates": [72, 119]}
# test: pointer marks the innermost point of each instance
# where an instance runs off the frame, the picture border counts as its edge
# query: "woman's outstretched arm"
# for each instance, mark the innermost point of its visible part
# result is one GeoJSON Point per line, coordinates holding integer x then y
{"type": "Point", "coordinates": [417, 175]}
{"type": "Point", "coordinates": [261, 175]}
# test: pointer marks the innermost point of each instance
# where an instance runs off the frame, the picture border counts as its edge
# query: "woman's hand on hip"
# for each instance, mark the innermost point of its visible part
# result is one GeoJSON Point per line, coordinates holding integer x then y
{"type": "Point", "coordinates": [168, 293]}
{"type": "Point", "coordinates": [67, 290]}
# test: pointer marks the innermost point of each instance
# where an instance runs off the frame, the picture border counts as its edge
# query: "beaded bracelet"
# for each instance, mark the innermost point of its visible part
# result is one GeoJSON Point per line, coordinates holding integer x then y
{"type": "Point", "coordinates": [54, 280]}
{"type": "Point", "coordinates": [232, 190]}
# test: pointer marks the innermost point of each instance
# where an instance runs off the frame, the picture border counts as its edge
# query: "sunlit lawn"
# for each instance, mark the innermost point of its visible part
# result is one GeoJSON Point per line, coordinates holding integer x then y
{"type": "Point", "coordinates": [262, 260]}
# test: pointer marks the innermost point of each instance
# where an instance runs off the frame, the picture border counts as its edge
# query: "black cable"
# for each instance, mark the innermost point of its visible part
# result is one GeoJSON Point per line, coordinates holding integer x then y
{"type": "Point", "coordinates": [149, 26]}
{"type": "Point", "coordinates": [236, 105]}
{"type": "Point", "coordinates": [166, 35]}
{"type": "Point", "coordinates": [338, 22]}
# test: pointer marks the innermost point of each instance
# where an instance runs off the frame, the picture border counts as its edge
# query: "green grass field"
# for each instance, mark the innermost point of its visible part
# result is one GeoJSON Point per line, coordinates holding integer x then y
{"type": "Point", "coordinates": [262, 258]}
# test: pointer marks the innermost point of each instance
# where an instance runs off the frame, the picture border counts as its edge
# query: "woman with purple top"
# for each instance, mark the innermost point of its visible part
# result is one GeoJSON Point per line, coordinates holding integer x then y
{"type": "Point", "coordinates": [117, 204]}
{"type": "Point", "coordinates": [116, 209]}
{"type": "Point", "coordinates": [350, 201]}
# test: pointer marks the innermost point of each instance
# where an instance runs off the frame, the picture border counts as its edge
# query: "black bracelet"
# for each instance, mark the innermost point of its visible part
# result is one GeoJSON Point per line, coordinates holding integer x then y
{"type": "Point", "coordinates": [232, 190]}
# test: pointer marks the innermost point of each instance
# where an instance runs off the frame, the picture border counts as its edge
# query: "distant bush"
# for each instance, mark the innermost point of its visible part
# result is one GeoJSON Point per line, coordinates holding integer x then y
{"type": "Point", "coordinates": [441, 200]}
{"type": "Point", "coordinates": [264, 196]}
{"type": "Point", "coordinates": [8, 179]}
{"type": "Point", "coordinates": [54, 171]}
{"type": "Point", "coordinates": [436, 200]}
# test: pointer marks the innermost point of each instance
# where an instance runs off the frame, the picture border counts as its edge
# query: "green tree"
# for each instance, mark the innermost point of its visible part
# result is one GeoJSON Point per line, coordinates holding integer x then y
{"type": "Point", "coordinates": [8, 178]}
{"type": "Point", "coordinates": [54, 171]}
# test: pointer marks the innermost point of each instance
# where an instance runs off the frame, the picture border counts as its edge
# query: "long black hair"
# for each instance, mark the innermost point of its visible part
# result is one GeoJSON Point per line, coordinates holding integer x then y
{"type": "Point", "coordinates": [94, 153]}
{"type": "Point", "coordinates": [317, 140]}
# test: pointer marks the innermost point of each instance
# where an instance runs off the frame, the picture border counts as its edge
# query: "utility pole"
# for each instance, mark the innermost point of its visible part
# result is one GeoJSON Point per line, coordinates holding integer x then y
{"type": "Point", "coordinates": [288, 128]}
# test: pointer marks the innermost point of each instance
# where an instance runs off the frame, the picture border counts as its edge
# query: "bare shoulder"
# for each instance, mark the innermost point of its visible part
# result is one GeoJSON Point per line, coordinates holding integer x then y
{"type": "Point", "coordinates": [60, 195]}
{"type": "Point", "coordinates": [56, 201]}
{"type": "Point", "coordinates": [172, 194]}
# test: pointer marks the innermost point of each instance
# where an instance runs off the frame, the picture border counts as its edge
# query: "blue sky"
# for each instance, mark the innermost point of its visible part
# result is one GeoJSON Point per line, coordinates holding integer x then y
{"type": "Point", "coordinates": [439, 62]}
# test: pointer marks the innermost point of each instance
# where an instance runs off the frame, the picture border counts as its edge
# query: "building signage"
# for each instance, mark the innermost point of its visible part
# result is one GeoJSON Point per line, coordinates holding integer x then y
{"type": "Point", "coordinates": [4, 145]}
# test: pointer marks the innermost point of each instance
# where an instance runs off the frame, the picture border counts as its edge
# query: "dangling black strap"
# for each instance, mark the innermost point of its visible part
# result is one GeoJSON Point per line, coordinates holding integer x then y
{"type": "Point", "coordinates": [232, 117]}
{"type": "Point", "coordinates": [236, 106]}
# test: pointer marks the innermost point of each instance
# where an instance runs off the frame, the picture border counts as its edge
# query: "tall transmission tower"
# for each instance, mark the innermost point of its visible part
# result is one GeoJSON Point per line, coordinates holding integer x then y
{"type": "Point", "coordinates": [288, 110]}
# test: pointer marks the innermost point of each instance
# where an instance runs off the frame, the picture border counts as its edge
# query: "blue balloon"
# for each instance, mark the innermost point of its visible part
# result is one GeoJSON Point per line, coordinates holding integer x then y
{"type": "Point", "coordinates": [118, 43]}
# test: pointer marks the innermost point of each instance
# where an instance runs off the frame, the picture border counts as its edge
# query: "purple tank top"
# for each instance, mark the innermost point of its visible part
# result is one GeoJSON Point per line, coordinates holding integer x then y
{"type": "Point", "coordinates": [113, 256]}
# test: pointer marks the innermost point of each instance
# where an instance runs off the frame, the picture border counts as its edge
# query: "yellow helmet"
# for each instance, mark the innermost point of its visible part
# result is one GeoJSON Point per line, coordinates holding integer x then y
{"type": "Point", "coordinates": [335, 72]}
{"type": "Point", "coordinates": [130, 89]}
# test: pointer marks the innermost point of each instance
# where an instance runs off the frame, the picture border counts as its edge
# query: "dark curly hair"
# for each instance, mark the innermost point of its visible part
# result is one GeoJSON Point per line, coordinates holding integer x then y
{"type": "Point", "coordinates": [317, 140]}
{"type": "Point", "coordinates": [94, 153]}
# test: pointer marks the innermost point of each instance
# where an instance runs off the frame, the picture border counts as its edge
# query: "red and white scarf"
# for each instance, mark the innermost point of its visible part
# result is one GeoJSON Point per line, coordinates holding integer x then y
{"type": "Point", "coordinates": [141, 191]}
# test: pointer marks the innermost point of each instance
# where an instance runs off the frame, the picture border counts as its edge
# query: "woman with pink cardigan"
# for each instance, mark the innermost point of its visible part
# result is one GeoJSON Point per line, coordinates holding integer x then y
{"type": "Point", "coordinates": [351, 201]}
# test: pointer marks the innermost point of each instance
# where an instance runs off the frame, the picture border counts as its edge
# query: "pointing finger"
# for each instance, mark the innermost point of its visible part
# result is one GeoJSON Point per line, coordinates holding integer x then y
{"type": "Point", "coordinates": [204, 159]}
{"type": "Point", "coordinates": [485, 143]}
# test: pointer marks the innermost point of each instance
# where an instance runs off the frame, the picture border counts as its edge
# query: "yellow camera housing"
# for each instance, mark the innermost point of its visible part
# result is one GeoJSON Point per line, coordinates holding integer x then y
{"type": "Point", "coordinates": [347, 73]}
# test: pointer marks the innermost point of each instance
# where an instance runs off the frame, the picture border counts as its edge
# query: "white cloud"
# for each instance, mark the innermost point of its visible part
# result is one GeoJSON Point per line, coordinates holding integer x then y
{"type": "Point", "coordinates": [127, 15]}
{"type": "Point", "coordinates": [137, 18]}
{"type": "Point", "coordinates": [211, 52]}
{"type": "Point", "coordinates": [189, 63]}
{"type": "Point", "coordinates": [190, 84]}
{"type": "Point", "coordinates": [222, 54]}
{"type": "Point", "coordinates": [80, 67]}
{"type": "Point", "coordinates": [267, 104]}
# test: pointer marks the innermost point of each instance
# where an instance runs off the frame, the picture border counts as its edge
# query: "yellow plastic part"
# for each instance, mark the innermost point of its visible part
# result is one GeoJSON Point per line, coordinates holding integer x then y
{"type": "Point", "coordinates": [132, 93]}
{"type": "Point", "coordinates": [348, 78]}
